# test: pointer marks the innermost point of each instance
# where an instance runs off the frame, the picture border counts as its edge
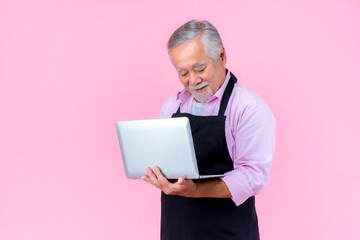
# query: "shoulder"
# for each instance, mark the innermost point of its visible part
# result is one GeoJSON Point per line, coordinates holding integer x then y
{"type": "Point", "coordinates": [169, 107]}
{"type": "Point", "coordinates": [247, 107]}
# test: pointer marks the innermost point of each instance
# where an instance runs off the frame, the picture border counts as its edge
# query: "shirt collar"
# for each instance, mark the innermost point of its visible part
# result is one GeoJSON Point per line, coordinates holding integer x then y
{"type": "Point", "coordinates": [183, 95]}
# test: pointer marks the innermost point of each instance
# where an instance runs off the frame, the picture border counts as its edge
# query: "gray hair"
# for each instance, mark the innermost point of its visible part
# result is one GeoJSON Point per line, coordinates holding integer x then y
{"type": "Point", "coordinates": [198, 29]}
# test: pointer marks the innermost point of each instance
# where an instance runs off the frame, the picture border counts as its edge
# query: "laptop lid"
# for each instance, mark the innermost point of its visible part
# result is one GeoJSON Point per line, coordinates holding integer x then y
{"type": "Point", "coordinates": [166, 143]}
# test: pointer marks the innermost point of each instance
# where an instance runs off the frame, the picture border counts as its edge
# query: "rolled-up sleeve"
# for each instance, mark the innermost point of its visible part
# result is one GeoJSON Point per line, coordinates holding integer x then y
{"type": "Point", "coordinates": [252, 150]}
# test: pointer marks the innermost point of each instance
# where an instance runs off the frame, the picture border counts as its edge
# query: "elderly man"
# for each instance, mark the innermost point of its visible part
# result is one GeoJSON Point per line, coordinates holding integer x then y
{"type": "Point", "coordinates": [234, 134]}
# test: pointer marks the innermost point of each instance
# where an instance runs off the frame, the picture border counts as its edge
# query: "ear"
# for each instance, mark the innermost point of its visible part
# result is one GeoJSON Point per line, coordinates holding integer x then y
{"type": "Point", "coordinates": [223, 56]}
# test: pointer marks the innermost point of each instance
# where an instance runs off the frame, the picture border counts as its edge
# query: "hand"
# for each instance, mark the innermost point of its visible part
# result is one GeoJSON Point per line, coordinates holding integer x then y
{"type": "Point", "coordinates": [182, 187]}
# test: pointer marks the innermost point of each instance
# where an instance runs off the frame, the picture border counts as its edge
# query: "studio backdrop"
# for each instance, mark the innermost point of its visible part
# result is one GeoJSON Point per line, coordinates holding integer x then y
{"type": "Point", "coordinates": [70, 69]}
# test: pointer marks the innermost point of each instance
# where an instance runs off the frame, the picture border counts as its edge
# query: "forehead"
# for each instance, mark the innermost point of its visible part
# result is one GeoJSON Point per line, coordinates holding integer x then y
{"type": "Point", "coordinates": [189, 54]}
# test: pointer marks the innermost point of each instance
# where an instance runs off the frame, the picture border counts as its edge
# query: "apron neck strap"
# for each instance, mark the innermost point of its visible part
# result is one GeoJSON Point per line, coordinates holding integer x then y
{"type": "Point", "coordinates": [227, 94]}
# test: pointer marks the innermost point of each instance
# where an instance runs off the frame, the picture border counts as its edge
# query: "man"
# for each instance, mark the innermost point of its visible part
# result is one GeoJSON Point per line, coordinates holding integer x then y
{"type": "Point", "coordinates": [234, 133]}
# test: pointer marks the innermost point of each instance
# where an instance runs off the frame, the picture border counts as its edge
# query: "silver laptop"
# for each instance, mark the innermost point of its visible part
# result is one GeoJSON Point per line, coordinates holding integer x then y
{"type": "Point", "coordinates": [166, 143]}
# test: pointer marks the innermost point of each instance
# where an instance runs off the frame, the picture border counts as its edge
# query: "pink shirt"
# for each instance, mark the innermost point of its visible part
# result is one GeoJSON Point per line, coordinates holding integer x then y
{"type": "Point", "coordinates": [250, 136]}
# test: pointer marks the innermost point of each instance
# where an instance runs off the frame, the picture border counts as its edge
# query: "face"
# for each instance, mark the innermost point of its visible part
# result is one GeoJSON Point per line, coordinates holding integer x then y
{"type": "Point", "coordinates": [200, 74]}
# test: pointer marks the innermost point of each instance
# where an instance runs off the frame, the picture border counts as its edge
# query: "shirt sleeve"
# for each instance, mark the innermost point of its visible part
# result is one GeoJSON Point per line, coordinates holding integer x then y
{"type": "Point", "coordinates": [169, 107]}
{"type": "Point", "coordinates": [253, 131]}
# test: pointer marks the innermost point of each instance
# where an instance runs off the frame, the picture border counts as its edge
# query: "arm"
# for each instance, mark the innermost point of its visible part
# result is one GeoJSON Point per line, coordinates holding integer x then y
{"type": "Point", "coordinates": [252, 149]}
{"type": "Point", "coordinates": [186, 187]}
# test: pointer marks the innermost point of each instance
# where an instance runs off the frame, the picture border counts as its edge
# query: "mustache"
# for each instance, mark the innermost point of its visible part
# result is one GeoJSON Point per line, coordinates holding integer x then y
{"type": "Point", "coordinates": [198, 86]}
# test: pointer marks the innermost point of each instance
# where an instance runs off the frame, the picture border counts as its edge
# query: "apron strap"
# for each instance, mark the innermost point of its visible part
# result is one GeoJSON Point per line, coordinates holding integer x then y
{"type": "Point", "coordinates": [227, 94]}
{"type": "Point", "coordinates": [178, 111]}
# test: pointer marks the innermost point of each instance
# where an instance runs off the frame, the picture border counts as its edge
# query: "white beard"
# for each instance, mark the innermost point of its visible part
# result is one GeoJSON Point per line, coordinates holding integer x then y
{"type": "Point", "coordinates": [204, 95]}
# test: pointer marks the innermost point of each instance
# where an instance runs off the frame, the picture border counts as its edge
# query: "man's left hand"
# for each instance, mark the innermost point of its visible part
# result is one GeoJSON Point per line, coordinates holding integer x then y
{"type": "Point", "coordinates": [182, 187]}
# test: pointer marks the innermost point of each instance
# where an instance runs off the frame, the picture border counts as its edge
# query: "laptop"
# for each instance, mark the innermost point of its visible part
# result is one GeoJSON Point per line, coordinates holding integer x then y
{"type": "Point", "coordinates": [166, 143]}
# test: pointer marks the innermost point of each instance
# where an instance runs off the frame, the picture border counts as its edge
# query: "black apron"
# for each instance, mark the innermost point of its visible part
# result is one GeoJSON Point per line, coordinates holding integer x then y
{"type": "Point", "coordinates": [185, 218]}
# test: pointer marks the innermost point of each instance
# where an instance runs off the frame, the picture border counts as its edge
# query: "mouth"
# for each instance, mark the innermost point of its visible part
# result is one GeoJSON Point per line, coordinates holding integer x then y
{"type": "Point", "coordinates": [199, 87]}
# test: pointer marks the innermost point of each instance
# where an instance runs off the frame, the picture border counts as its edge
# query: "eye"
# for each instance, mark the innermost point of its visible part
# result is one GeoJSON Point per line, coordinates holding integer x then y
{"type": "Point", "coordinates": [199, 71]}
{"type": "Point", "coordinates": [184, 74]}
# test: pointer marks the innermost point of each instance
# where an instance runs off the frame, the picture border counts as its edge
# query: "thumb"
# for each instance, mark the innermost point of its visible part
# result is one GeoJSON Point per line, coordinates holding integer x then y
{"type": "Point", "coordinates": [181, 180]}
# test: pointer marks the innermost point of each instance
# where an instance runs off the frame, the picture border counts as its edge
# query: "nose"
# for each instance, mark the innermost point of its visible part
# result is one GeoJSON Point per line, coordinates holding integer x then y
{"type": "Point", "coordinates": [194, 79]}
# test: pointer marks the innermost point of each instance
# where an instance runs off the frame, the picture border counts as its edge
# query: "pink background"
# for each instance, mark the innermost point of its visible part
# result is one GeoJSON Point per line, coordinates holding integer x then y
{"type": "Point", "coordinates": [70, 69]}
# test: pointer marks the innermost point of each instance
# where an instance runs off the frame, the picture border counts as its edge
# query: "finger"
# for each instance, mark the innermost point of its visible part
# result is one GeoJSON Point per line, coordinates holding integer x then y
{"type": "Point", "coordinates": [181, 180]}
{"type": "Point", "coordinates": [162, 180]}
{"type": "Point", "coordinates": [151, 178]}
{"type": "Point", "coordinates": [150, 173]}
{"type": "Point", "coordinates": [181, 183]}
{"type": "Point", "coordinates": [160, 175]}
{"type": "Point", "coordinates": [145, 178]}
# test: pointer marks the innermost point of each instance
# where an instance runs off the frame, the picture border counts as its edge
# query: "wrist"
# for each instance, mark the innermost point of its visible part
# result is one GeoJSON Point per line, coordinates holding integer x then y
{"type": "Point", "coordinates": [194, 190]}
